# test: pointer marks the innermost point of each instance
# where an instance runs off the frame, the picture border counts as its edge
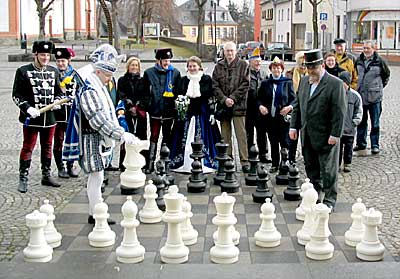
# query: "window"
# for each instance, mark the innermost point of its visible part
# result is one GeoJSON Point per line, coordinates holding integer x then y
{"type": "Point", "coordinates": [218, 32]}
{"type": "Point", "coordinates": [264, 14]}
{"type": "Point", "coordinates": [232, 33]}
{"type": "Point", "coordinates": [194, 32]}
{"type": "Point", "coordinates": [210, 32]}
{"type": "Point", "coordinates": [225, 32]}
{"type": "Point", "coordinates": [279, 15]}
{"type": "Point", "coordinates": [270, 14]}
{"type": "Point", "coordinates": [288, 14]}
{"type": "Point", "coordinates": [298, 6]}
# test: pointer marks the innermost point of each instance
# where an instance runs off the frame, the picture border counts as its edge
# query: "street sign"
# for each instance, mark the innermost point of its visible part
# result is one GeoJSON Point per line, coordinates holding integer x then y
{"type": "Point", "coordinates": [151, 30]}
{"type": "Point", "coordinates": [323, 16]}
{"type": "Point", "coordinates": [323, 27]}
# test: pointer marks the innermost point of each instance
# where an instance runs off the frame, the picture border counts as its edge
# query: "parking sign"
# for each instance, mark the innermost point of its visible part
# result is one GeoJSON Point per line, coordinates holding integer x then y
{"type": "Point", "coordinates": [323, 16]}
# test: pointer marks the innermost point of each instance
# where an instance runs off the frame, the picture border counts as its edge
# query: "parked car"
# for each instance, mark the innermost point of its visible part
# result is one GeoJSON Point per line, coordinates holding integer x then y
{"type": "Point", "coordinates": [279, 49]}
{"type": "Point", "coordinates": [251, 45]}
{"type": "Point", "coordinates": [241, 51]}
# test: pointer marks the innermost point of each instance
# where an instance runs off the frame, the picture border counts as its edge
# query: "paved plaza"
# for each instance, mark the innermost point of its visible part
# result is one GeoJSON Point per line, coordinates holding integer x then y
{"type": "Point", "coordinates": [375, 179]}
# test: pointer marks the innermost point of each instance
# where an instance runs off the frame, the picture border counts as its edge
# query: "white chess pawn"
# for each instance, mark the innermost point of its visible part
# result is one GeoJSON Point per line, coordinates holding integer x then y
{"type": "Point", "coordinates": [300, 213]}
{"type": "Point", "coordinates": [150, 213]}
{"type": "Point", "coordinates": [174, 250]}
{"type": "Point", "coordinates": [37, 250]}
{"type": "Point", "coordinates": [130, 250]}
{"type": "Point", "coordinates": [370, 248]}
{"type": "Point", "coordinates": [310, 198]}
{"type": "Point", "coordinates": [355, 233]}
{"type": "Point", "coordinates": [319, 248]}
{"type": "Point", "coordinates": [189, 234]}
{"type": "Point", "coordinates": [267, 235]}
{"type": "Point", "coordinates": [52, 236]}
{"type": "Point", "coordinates": [224, 251]}
{"type": "Point", "coordinates": [101, 235]}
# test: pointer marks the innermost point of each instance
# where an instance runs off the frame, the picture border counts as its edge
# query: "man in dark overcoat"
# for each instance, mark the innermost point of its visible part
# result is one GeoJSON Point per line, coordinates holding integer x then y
{"type": "Point", "coordinates": [319, 111]}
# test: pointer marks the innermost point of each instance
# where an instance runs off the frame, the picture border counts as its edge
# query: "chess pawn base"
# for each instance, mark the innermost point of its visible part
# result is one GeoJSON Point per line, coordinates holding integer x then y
{"type": "Point", "coordinates": [150, 217]}
{"type": "Point", "coordinates": [54, 240]}
{"type": "Point", "coordinates": [352, 238]}
{"type": "Point", "coordinates": [282, 179]}
{"type": "Point", "coordinates": [196, 186]}
{"type": "Point", "coordinates": [130, 254]}
{"type": "Point", "coordinates": [267, 240]}
{"type": "Point", "coordinates": [224, 255]}
{"type": "Point", "coordinates": [370, 251]}
{"type": "Point", "coordinates": [190, 237]}
{"type": "Point", "coordinates": [300, 214]}
{"type": "Point", "coordinates": [176, 255]}
{"type": "Point", "coordinates": [230, 187]}
{"type": "Point", "coordinates": [251, 180]}
{"type": "Point", "coordinates": [259, 197]}
{"type": "Point", "coordinates": [129, 191]}
{"type": "Point", "coordinates": [102, 239]}
{"type": "Point", "coordinates": [303, 237]}
{"type": "Point", "coordinates": [218, 179]}
{"type": "Point", "coordinates": [292, 195]}
{"type": "Point", "coordinates": [319, 251]}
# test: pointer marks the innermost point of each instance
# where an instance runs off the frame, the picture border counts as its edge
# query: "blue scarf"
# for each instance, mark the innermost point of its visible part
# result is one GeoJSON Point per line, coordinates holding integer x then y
{"type": "Point", "coordinates": [168, 83]}
{"type": "Point", "coordinates": [279, 90]}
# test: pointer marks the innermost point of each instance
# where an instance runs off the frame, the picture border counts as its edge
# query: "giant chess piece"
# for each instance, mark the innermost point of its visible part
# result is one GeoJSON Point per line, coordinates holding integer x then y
{"type": "Point", "coordinates": [251, 178]}
{"type": "Point", "coordinates": [197, 154]}
{"type": "Point", "coordinates": [37, 250]}
{"type": "Point", "coordinates": [161, 182]}
{"type": "Point", "coordinates": [262, 192]}
{"type": "Point", "coordinates": [282, 177]}
{"type": "Point", "coordinates": [230, 184]}
{"type": "Point", "coordinates": [174, 250]}
{"type": "Point", "coordinates": [164, 156]}
{"type": "Point", "coordinates": [196, 182]}
{"type": "Point", "coordinates": [354, 234]}
{"type": "Point", "coordinates": [300, 214]}
{"type": "Point", "coordinates": [133, 177]}
{"type": "Point", "coordinates": [267, 235]}
{"type": "Point", "coordinates": [150, 213]}
{"type": "Point", "coordinates": [189, 234]}
{"type": "Point", "coordinates": [319, 248]}
{"type": "Point", "coordinates": [222, 157]}
{"type": "Point", "coordinates": [224, 251]}
{"type": "Point", "coordinates": [52, 236]}
{"type": "Point", "coordinates": [292, 192]}
{"type": "Point", "coordinates": [101, 235]}
{"type": "Point", "coordinates": [310, 199]}
{"type": "Point", "coordinates": [130, 250]}
{"type": "Point", "coordinates": [370, 248]}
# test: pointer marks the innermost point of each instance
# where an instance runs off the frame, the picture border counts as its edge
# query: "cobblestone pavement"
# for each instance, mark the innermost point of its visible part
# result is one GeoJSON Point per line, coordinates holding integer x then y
{"type": "Point", "coordinates": [376, 179]}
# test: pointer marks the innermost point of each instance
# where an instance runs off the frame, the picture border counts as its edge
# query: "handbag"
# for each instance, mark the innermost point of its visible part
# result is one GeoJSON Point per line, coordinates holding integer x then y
{"type": "Point", "coordinates": [223, 112]}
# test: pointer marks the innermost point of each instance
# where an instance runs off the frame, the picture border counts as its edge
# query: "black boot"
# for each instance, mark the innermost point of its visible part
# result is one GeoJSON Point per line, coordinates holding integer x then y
{"type": "Point", "coordinates": [152, 157]}
{"type": "Point", "coordinates": [62, 172]}
{"type": "Point", "coordinates": [71, 171]}
{"type": "Point", "coordinates": [23, 175]}
{"type": "Point", "coordinates": [47, 180]}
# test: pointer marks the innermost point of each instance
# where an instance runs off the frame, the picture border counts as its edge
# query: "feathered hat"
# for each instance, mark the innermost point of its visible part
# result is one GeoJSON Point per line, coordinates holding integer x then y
{"type": "Point", "coordinates": [106, 58]}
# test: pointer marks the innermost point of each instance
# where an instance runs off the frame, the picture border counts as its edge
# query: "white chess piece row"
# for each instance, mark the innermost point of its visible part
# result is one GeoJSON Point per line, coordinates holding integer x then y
{"type": "Point", "coordinates": [43, 234]}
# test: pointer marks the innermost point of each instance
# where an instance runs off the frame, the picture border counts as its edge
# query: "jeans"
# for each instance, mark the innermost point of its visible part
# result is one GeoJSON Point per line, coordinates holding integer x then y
{"type": "Point", "coordinates": [374, 111]}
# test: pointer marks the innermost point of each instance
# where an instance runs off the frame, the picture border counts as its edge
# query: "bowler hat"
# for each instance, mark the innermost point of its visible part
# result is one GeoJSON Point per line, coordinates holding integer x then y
{"type": "Point", "coordinates": [313, 57]}
{"type": "Point", "coordinates": [63, 53]}
{"type": "Point", "coordinates": [42, 47]}
{"type": "Point", "coordinates": [339, 41]}
{"type": "Point", "coordinates": [163, 53]}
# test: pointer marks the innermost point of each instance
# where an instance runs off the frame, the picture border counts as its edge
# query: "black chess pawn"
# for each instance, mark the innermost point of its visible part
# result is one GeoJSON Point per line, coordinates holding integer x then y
{"type": "Point", "coordinates": [222, 157]}
{"type": "Point", "coordinates": [164, 156]}
{"type": "Point", "coordinates": [196, 182]}
{"type": "Point", "coordinates": [197, 154]}
{"type": "Point", "coordinates": [161, 182]}
{"type": "Point", "coordinates": [262, 192]}
{"type": "Point", "coordinates": [251, 178]}
{"type": "Point", "coordinates": [230, 184]}
{"type": "Point", "coordinates": [292, 192]}
{"type": "Point", "coordinates": [282, 177]}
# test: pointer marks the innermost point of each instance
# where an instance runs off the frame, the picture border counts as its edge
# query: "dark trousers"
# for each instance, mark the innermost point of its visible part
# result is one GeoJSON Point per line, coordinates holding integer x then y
{"type": "Point", "coordinates": [293, 148]}
{"type": "Point", "coordinates": [346, 149]}
{"type": "Point", "coordinates": [374, 111]}
{"type": "Point", "coordinates": [59, 133]}
{"type": "Point", "coordinates": [322, 166]}
{"type": "Point", "coordinates": [30, 137]}
{"type": "Point", "coordinates": [278, 134]}
{"type": "Point", "coordinates": [155, 127]}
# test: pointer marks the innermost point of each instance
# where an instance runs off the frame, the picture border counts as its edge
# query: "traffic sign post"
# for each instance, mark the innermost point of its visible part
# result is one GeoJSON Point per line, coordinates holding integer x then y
{"type": "Point", "coordinates": [323, 16]}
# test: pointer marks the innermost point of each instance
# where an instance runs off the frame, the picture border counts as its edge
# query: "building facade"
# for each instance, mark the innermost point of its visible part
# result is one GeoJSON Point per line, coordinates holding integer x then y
{"type": "Point", "coordinates": [68, 19]}
{"type": "Point", "coordinates": [217, 23]}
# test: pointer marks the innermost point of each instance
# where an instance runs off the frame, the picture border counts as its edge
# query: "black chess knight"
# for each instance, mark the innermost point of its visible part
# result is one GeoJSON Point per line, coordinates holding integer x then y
{"type": "Point", "coordinates": [282, 177]}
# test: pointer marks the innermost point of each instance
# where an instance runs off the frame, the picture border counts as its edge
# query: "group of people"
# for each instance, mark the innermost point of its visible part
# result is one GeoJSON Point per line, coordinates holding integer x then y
{"type": "Point", "coordinates": [85, 111]}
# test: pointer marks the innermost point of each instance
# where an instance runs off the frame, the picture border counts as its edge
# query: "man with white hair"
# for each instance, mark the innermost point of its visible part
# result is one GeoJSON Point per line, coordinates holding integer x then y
{"type": "Point", "coordinates": [231, 79]}
{"type": "Point", "coordinates": [95, 126]}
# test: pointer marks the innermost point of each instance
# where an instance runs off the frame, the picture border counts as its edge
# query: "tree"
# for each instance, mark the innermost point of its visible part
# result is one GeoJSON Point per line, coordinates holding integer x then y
{"type": "Point", "coordinates": [314, 4]}
{"type": "Point", "coordinates": [42, 11]}
{"type": "Point", "coordinates": [200, 25]}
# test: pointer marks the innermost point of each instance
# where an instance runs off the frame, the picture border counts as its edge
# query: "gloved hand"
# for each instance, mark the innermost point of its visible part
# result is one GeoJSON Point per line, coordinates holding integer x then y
{"type": "Point", "coordinates": [33, 112]}
{"type": "Point", "coordinates": [212, 119]}
{"type": "Point", "coordinates": [56, 107]}
{"type": "Point", "coordinates": [128, 138]}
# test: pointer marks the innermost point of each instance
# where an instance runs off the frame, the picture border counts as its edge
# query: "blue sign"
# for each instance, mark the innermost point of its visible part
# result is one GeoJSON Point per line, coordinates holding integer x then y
{"type": "Point", "coordinates": [323, 16]}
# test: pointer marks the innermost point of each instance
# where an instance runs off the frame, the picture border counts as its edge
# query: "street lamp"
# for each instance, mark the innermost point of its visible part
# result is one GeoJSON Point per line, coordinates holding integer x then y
{"type": "Point", "coordinates": [214, 5]}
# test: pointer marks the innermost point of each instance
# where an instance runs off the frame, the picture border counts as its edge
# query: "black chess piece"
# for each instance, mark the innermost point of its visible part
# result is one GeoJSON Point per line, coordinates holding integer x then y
{"type": "Point", "coordinates": [196, 182]}
{"type": "Point", "coordinates": [282, 177]}
{"type": "Point", "coordinates": [222, 157]}
{"type": "Point", "coordinates": [251, 178]}
{"type": "Point", "coordinates": [262, 192]}
{"type": "Point", "coordinates": [197, 154]}
{"type": "Point", "coordinates": [292, 192]}
{"type": "Point", "coordinates": [230, 184]}
{"type": "Point", "coordinates": [164, 156]}
{"type": "Point", "coordinates": [161, 182]}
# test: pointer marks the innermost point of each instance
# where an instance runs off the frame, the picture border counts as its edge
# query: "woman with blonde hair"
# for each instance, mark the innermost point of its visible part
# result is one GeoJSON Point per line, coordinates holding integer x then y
{"type": "Point", "coordinates": [198, 121]}
{"type": "Point", "coordinates": [130, 90]}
